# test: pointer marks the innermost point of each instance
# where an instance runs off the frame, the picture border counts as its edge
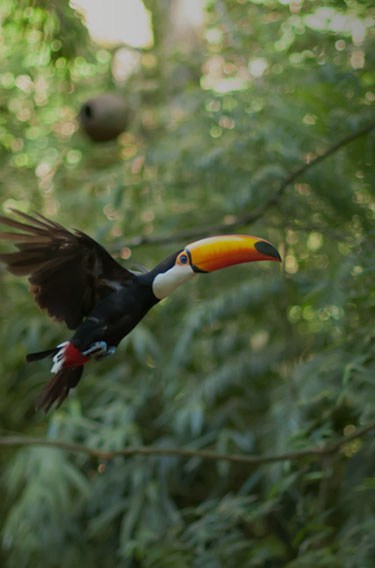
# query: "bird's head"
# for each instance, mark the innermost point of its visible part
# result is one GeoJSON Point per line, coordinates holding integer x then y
{"type": "Point", "coordinates": [208, 255]}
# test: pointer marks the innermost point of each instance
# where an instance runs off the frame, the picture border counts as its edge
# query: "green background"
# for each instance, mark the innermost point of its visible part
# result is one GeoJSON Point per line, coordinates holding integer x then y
{"type": "Point", "coordinates": [256, 359]}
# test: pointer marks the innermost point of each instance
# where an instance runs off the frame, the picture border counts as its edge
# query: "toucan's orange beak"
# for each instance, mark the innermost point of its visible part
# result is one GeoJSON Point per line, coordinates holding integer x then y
{"type": "Point", "coordinates": [214, 253]}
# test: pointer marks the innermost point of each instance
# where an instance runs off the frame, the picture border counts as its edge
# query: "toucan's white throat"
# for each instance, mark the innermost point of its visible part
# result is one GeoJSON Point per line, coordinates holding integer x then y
{"type": "Point", "coordinates": [166, 282]}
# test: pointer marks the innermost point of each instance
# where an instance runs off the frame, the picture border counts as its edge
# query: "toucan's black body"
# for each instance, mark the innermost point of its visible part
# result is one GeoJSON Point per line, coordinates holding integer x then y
{"type": "Point", "coordinates": [77, 281]}
{"type": "Point", "coordinates": [120, 310]}
{"type": "Point", "coordinates": [115, 315]}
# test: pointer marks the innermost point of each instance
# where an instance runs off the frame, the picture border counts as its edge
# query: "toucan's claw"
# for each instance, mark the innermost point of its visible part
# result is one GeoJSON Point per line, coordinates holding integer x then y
{"type": "Point", "coordinates": [110, 351]}
{"type": "Point", "coordinates": [96, 350]}
{"type": "Point", "coordinates": [99, 350]}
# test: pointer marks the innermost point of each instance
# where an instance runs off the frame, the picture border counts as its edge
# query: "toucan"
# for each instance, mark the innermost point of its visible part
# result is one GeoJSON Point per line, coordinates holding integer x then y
{"type": "Point", "coordinates": [77, 281]}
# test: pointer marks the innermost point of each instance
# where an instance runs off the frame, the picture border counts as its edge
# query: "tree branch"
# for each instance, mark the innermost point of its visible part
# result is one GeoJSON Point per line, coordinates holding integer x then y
{"type": "Point", "coordinates": [252, 216]}
{"type": "Point", "coordinates": [252, 460]}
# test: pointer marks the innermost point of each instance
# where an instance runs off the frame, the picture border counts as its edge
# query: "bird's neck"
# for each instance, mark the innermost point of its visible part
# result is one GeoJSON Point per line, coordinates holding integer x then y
{"type": "Point", "coordinates": [166, 277]}
{"type": "Point", "coordinates": [165, 283]}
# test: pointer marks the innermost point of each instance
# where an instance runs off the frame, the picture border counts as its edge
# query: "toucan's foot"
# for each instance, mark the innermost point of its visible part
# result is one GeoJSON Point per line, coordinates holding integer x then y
{"type": "Point", "coordinates": [99, 350]}
{"type": "Point", "coordinates": [110, 351]}
{"type": "Point", "coordinates": [96, 350]}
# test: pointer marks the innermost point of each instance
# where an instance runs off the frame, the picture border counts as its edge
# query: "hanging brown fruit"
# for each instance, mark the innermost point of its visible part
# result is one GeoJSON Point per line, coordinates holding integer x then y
{"type": "Point", "coordinates": [104, 117]}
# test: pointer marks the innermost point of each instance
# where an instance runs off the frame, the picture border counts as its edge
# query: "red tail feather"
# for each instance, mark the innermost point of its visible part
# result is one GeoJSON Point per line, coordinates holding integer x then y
{"type": "Point", "coordinates": [73, 357]}
{"type": "Point", "coordinates": [58, 388]}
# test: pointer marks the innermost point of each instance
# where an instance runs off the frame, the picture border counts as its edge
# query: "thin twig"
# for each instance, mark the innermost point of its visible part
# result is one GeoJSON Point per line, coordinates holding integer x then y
{"type": "Point", "coordinates": [328, 449]}
{"type": "Point", "coordinates": [254, 215]}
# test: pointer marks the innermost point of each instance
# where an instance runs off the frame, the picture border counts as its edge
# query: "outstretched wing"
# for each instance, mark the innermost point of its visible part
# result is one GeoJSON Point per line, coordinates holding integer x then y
{"type": "Point", "coordinates": [68, 272]}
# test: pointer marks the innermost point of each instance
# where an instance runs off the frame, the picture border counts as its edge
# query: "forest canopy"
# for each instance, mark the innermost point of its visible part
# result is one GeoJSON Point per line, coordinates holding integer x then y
{"type": "Point", "coordinates": [254, 117]}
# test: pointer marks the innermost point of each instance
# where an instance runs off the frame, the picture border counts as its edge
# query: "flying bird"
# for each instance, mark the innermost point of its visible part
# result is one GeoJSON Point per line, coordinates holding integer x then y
{"type": "Point", "coordinates": [78, 282]}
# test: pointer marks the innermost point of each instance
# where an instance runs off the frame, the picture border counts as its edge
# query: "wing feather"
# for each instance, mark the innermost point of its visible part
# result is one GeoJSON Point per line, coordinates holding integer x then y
{"type": "Point", "coordinates": [69, 272]}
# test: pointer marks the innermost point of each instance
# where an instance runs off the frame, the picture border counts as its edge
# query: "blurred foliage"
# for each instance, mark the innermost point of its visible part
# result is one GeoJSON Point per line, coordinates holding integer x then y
{"type": "Point", "coordinates": [252, 359]}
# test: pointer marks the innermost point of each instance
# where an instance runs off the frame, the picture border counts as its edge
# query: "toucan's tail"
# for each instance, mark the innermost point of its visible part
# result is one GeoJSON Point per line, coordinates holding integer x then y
{"type": "Point", "coordinates": [67, 367]}
{"type": "Point", "coordinates": [41, 354]}
{"type": "Point", "coordinates": [58, 387]}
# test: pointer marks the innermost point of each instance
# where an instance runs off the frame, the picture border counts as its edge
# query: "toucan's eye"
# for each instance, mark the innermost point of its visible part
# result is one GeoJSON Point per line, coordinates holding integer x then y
{"type": "Point", "coordinates": [183, 258]}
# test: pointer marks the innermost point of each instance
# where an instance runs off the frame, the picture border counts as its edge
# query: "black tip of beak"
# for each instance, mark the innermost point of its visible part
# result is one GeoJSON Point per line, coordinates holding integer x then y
{"type": "Point", "coordinates": [265, 248]}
